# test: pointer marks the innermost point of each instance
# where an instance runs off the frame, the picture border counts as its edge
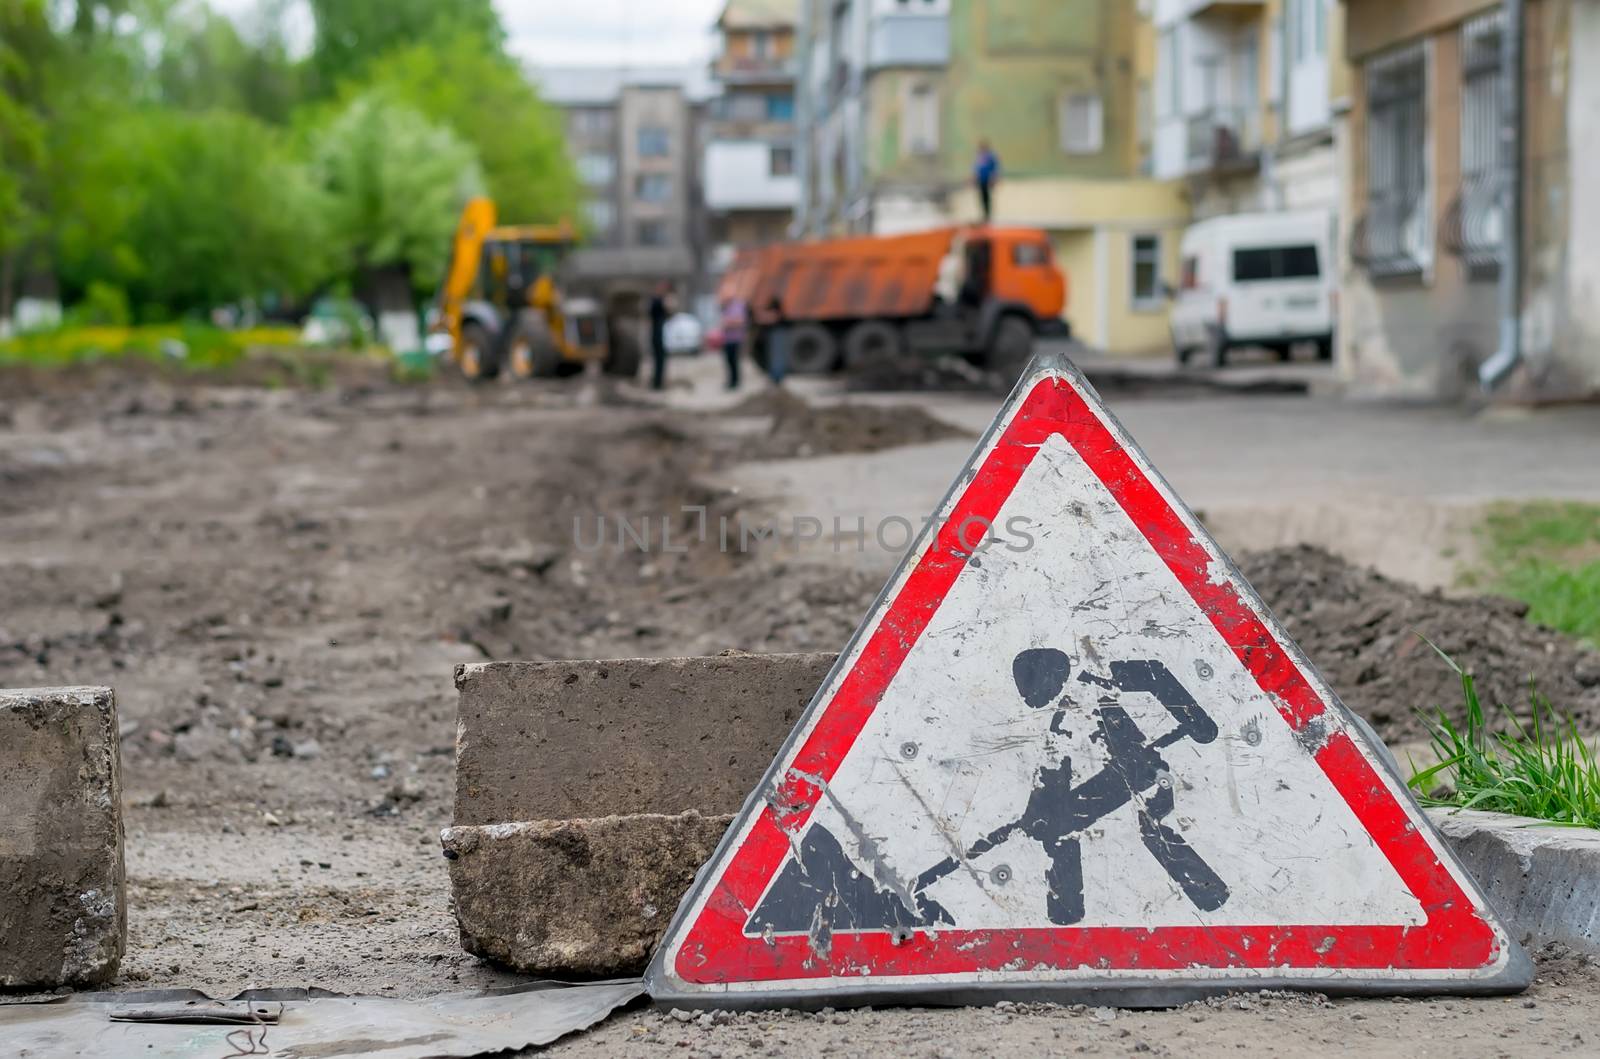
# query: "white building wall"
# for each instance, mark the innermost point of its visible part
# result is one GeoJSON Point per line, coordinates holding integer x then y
{"type": "Point", "coordinates": [1583, 248]}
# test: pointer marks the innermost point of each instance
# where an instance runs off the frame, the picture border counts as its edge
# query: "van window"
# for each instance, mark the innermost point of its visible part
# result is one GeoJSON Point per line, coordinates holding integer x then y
{"type": "Point", "coordinates": [1191, 273]}
{"type": "Point", "coordinates": [1025, 255]}
{"type": "Point", "coordinates": [1254, 264]}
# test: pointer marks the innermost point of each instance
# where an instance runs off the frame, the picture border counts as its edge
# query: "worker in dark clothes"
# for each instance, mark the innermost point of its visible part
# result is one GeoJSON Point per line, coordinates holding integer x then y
{"type": "Point", "coordinates": [986, 174]}
{"type": "Point", "coordinates": [661, 308]}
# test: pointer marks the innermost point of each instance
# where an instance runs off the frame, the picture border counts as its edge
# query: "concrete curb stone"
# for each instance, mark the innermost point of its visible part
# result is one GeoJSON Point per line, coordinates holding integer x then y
{"type": "Point", "coordinates": [1544, 880]}
{"type": "Point", "coordinates": [63, 893]}
{"type": "Point", "coordinates": [586, 897]}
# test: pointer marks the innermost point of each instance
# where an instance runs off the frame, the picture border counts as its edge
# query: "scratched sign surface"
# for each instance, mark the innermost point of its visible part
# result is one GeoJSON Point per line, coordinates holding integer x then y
{"type": "Point", "coordinates": [1069, 748]}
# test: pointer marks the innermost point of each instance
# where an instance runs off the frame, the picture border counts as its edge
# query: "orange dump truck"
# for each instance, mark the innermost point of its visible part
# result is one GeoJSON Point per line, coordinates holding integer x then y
{"type": "Point", "coordinates": [982, 293]}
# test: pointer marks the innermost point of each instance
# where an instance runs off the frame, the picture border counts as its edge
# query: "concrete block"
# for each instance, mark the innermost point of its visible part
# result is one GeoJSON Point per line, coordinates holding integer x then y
{"type": "Point", "coordinates": [577, 740]}
{"type": "Point", "coordinates": [63, 901]}
{"type": "Point", "coordinates": [585, 897]}
{"type": "Point", "coordinates": [1543, 880]}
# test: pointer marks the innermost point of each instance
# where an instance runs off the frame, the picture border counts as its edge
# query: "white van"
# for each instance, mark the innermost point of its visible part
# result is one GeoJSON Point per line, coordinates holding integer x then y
{"type": "Point", "coordinates": [1255, 279]}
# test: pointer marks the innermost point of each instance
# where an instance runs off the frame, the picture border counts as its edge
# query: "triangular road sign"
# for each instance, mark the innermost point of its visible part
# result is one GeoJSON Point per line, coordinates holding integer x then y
{"type": "Point", "coordinates": [1070, 755]}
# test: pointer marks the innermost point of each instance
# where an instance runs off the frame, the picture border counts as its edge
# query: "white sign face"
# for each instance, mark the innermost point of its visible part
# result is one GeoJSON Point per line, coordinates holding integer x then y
{"type": "Point", "coordinates": [956, 763]}
{"type": "Point", "coordinates": [1069, 748]}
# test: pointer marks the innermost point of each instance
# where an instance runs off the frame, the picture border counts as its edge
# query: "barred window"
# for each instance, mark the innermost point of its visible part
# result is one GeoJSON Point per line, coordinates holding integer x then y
{"type": "Point", "coordinates": [1472, 224]}
{"type": "Point", "coordinates": [1394, 236]}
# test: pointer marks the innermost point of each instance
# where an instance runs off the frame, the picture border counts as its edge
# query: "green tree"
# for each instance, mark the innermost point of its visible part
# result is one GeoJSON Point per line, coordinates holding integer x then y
{"type": "Point", "coordinates": [217, 211]}
{"type": "Point", "coordinates": [395, 182]}
{"type": "Point", "coordinates": [351, 33]}
{"type": "Point", "coordinates": [487, 100]}
{"type": "Point", "coordinates": [28, 48]}
{"type": "Point", "coordinates": [207, 62]}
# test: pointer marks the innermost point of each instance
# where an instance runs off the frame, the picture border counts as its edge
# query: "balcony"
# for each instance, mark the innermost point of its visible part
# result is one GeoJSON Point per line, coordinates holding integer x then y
{"type": "Point", "coordinates": [1168, 12]}
{"type": "Point", "coordinates": [1222, 140]}
{"type": "Point", "coordinates": [754, 70]}
{"type": "Point", "coordinates": [909, 40]}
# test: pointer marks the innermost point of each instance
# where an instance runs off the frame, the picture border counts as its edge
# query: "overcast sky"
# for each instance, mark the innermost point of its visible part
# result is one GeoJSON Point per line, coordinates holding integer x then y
{"type": "Point", "coordinates": [593, 32]}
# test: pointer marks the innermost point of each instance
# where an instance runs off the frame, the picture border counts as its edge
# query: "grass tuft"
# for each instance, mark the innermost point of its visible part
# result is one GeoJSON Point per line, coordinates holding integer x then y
{"type": "Point", "coordinates": [1542, 768]}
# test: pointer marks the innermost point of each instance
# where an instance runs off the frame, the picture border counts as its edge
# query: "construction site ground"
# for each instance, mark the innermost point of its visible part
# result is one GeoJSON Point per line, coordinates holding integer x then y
{"type": "Point", "coordinates": [278, 582]}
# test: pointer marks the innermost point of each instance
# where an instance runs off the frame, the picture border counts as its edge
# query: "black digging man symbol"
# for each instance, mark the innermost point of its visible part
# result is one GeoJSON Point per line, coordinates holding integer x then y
{"type": "Point", "coordinates": [820, 887]}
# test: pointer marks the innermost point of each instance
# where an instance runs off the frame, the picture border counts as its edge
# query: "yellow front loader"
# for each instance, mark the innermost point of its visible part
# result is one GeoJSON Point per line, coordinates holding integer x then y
{"type": "Point", "coordinates": [502, 307]}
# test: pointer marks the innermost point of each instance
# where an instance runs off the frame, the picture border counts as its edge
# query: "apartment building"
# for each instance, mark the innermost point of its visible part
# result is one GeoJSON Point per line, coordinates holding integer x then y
{"type": "Point", "coordinates": [1474, 130]}
{"type": "Point", "coordinates": [636, 136]}
{"type": "Point", "coordinates": [1246, 98]}
{"type": "Point", "coordinates": [751, 181]}
{"type": "Point", "coordinates": [896, 95]}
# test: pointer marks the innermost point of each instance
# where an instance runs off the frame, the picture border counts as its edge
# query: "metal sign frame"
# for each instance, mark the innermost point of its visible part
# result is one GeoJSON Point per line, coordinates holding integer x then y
{"type": "Point", "coordinates": [707, 959]}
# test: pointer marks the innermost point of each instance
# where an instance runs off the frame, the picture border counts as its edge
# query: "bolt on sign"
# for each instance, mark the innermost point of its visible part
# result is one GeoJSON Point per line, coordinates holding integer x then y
{"type": "Point", "coordinates": [1085, 765]}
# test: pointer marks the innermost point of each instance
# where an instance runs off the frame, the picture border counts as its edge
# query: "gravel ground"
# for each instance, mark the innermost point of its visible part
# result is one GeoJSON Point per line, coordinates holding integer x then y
{"type": "Point", "coordinates": [278, 582]}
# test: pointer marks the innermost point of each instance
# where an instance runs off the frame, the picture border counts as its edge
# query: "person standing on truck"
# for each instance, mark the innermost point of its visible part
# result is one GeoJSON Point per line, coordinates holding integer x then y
{"type": "Point", "coordinates": [985, 174]}
{"type": "Point", "coordinates": [734, 313]}
{"type": "Point", "coordinates": [660, 313]}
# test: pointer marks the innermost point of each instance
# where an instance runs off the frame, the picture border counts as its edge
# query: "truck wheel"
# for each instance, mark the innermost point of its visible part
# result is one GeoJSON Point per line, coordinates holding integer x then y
{"type": "Point", "coordinates": [623, 359]}
{"type": "Point", "coordinates": [874, 346]}
{"type": "Point", "coordinates": [1010, 349]}
{"type": "Point", "coordinates": [812, 350]}
{"type": "Point", "coordinates": [479, 360]}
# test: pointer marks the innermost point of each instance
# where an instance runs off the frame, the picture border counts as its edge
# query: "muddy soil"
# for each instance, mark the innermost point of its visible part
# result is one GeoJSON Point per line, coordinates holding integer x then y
{"type": "Point", "coordinates": [278, 581]}
{"type": "Point", "coordinates": [793, 427]}
{"type": "Point", "coordinates": [1369, 636]}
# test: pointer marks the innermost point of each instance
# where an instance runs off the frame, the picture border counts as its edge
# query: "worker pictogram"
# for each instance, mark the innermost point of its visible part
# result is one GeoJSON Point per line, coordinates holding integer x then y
{"type": "Point", "coordinates": [1091, 766]}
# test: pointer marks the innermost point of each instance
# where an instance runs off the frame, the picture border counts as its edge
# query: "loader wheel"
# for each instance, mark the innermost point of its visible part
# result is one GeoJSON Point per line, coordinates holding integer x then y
{"type": "Point", "coordinates": [625, 355]}
{"type": "Point", "coordinates": [478, 359]}
{"type": "Point", "coordinates": [812, 350]}
{"type": "Point", "coordinates": [1010, 349]}
{"type": "Point", "coordinates": [534, 354]}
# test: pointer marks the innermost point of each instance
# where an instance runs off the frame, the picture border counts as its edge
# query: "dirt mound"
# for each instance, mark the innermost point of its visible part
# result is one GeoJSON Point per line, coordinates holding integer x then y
{"type": "Point", "coordinates": [800, 428]}
{"type": "Point", "coordinates": [1361, 630]}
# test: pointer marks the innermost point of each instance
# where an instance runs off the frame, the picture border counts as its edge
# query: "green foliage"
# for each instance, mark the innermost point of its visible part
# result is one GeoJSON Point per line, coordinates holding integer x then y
{"type": "Point", "coordinates": [1542, 769]}
{"type": "Point", "coordinates": [352, 33]}
{"type": "Point", "coordinates": [103, 306]}
{"type": "Point", "coordinates": [207, 62]}
{"type": "Point", "coordinates": [394, 181]}
{"type": "Point", "coordinates": [161, 158]}
{"type": "Point", "coordinates": [1547, 553]}
{"type": "Point", "coordinates": [192, 345]}
{"type": "Point", "coordinates": [222, 213]}
{"type": "Point", "coordinates": [27, 51]}
{"type": "Point", "coordinates": [485, 98]}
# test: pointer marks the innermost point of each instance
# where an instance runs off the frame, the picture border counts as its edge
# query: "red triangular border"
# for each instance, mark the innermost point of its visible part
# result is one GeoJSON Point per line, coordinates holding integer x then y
{"type": "Point", "coordinates": [1456, 936]}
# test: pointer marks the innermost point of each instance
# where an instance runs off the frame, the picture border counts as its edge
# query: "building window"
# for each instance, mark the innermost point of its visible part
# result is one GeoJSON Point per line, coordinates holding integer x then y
{"type": "Point", "coordinates": [780, 108]}
{"type": "Point", "coordinates": [1146, 279]}
{"type": "Point", "coordinates": [652, 187]}
{"type": "Point", "coordinates": [596, 168]}
{"type": "Point", "coordinates": [651, 233]}
{"type": "Point", "coordinates": [780, 161]}
{"type": "Point", "coordinates": [654, 142]}
{"type": "Point", "coordinates": [760, 44]}
{"type": "Point", "coordinates": [1472, 225]}
{"type": "Point", "coordinates": [601, 215]}
{"type": "Point", "coordinates": [919, 121]}
{"type": "Point", "coordinates": [1394, 236]}
{"type": "Point", "coordinates": [591, 121]}
{"type": "Point", "coordinates": [1081, 123]}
